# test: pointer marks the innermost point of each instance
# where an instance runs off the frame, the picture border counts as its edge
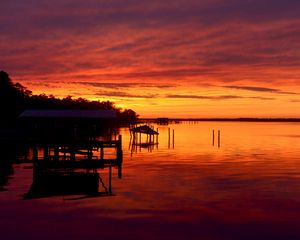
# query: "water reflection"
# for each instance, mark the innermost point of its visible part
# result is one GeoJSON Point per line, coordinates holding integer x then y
{"type": "Point", "coordinates": [61, 182]}
{"type": "Point", "coordinates": [8, 153]}
{"type": "Point", "coordinates": [64, 166]}
{"type": "Point", "coordinates": [218, 136]}
{"type": "Point", "coordinates": [6, 170]}
{"type": "Point", "coordinates": [248, 188]}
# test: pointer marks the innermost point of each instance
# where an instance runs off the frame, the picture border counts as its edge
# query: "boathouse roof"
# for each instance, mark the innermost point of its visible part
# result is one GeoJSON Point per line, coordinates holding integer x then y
{"type": "Point", "coordinates": [144, 129]}
{"type": "Point", "coordinates": [79, 114]}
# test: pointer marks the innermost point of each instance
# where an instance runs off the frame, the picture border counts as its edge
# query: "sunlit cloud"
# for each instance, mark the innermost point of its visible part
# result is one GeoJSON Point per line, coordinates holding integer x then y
{"type": "Point", "coordinates": [179, 49]}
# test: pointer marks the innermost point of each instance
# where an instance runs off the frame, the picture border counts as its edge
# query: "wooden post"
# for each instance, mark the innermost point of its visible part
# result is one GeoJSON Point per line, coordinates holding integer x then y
{"type": "Point", "coordinates": [219, 136]}
{"type": "Point", "coordinates": [110, 134]}
{"type": "Point", "coordinates": [90, 153]}
{"type": "Point", "coordinates": [119, 149]}
{"type": "Point", "coordinates": [109, 181]}
{"type": "Point", "coordinates": [133, 138]}
{"type": "Point", "coordinates": [46, 153]}
{"type": "Point", "coordinates": [101, 153]}
{"type": "Point", "coordinates": [56, 153]}
{"type": "Point", "coordinates": [120, 170]}
{"type": "Point", "coordinates": [36, 166]}
{"type": "Point", "coordinates": [157, 136]}
{"type": "Point", "coordinates": [72, 153]}
{"type": "Point", "coordinates": [169, 138]}
{"type": "Point", "coordinates": [35, 153]}
{"type": "Point", "coordinates": [65, 153]}
{"type": "Point", "coordinates": [173, 138]}
{"type": "Point", "coordinates": [213, 137]}
{"type": "Point", "coordinates": [130, 142]}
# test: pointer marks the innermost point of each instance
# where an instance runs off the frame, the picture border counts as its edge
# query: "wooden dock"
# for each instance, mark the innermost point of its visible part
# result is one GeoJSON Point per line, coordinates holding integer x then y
{"type": "Point", "coordinates": [72, 167]}
{"type": "Point", "coordinates": [90, 152]}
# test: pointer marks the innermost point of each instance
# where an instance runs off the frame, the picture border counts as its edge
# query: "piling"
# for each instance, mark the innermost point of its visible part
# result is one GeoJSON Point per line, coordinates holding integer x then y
{"type": "Point", "coordinates": [101, 153]}
{"type": "Point", "coordinates": [109, 181]}
{"type": "Point", "coordinates": [46, 153]}
{"type": "Point", "coordinates": [35, 153]}
{"type": "Point", "coordinates": [140, 137]}
{"type": "Point", "coordinates": [219, 138]}
{"type": "Point", "coordinates": [119, 149]}
{"type": "Point", "coordinates": [120, 171]}
{"type": "Point", "coordinates": [173, 138]}
{"type": "Point", "coordinates": [56, 153]}
{"type": "Point", "coordinates": [169, 137]}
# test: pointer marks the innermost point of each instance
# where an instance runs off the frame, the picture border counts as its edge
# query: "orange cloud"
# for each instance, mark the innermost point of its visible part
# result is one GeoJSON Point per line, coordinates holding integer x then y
{"type": "Point", "coordinates": [187, 48]}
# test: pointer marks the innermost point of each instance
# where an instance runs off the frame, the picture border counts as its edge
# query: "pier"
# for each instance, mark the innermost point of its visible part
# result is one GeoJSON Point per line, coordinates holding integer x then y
{"type": "Point", "coordinates": [68, 169]}
{"type": "Point", "coordinates": [86, 151]}
{"type": "Point", "coordinates": [63, 168]}
{"type": "Point", "coordinates": [68, 148]}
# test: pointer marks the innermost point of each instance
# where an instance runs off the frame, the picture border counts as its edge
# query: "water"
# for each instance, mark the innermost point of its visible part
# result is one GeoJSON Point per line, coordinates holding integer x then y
{"type": "Point", "coordinates": [246, 187]}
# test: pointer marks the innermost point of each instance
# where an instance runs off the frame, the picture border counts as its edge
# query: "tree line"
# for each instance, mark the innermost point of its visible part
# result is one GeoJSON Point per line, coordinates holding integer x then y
{"type": "Point", "coordinates": [15, 98]}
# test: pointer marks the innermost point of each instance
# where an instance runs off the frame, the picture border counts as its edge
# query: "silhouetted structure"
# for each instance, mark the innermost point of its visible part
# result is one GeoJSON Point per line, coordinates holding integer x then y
{"type": "Point", "coordinates": [68, 124]}
{"type": "Point", "coordinates": [76, 138]}
{"type": "Point", "coordinates": [68, 149]}
{"type": "Point", "coordinates": [62, 168]}
{"type": "Point", "coordinates": [15, 98]}
{"type": "Point", "coordinates": [162, 121]}
{"type": "Point", "coordinates": [136, 137]}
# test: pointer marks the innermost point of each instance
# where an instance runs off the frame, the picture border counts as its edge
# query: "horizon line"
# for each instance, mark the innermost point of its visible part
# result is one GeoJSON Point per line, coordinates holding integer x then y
{"type": "Point", "coordinates": [281, 119]}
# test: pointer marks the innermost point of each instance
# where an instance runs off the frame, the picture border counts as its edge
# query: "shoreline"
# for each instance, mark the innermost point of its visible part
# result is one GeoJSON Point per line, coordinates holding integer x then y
{"type": "Point", "coordinates": [222, 119]}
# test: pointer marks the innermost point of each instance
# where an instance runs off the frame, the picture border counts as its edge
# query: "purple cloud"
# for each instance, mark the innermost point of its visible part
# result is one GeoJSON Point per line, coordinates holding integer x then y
{"type": "Point", "coordinates": [156, 40]}
{"type": "Point", "coordinates": [221, 97]}
{"type": "Point", "coordinates": [260, 89]}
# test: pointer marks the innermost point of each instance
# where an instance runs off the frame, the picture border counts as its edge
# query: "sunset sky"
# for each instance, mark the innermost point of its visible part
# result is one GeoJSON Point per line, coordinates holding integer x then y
{"type": "Point", "coordinates": [177, 58]}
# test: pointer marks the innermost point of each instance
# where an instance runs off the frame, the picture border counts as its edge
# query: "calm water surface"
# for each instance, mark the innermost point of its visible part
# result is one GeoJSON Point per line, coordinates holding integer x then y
{"type": "Point", "coordinates": [248, 187]}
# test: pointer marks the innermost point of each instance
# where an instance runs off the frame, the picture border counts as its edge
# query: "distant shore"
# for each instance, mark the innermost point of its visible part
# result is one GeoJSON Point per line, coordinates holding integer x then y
{"type": "Point", "coordinates": [223, 119]}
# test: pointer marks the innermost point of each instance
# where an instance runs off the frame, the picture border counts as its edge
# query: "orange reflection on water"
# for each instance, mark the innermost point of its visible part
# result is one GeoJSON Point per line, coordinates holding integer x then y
{"type": "Point", "coordinates": [247, 187]}
{"type": "Point", "coordinates": [255, 163]}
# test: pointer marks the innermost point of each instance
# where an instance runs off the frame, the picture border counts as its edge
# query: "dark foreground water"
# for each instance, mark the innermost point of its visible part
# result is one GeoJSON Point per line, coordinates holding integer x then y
{"type": "Point", "coordinates": [248, 187]}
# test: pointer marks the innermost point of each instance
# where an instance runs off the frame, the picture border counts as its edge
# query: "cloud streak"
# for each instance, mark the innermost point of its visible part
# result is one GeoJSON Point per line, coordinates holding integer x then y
{"type": "Point", "coordinates": [124, 94]}
{"type": "Point", "coordinates": [123, 34]}
{"type": "Point", "coordinates": [126, 85]}
{"type": "Point", "coordinates": [260, 89]}
{"type": "Point", "coordinates": [218, 48]}
{"type": "Point", "coordinates": [176, 96]}
{"type": "Point", "coordinates": [221, 97]}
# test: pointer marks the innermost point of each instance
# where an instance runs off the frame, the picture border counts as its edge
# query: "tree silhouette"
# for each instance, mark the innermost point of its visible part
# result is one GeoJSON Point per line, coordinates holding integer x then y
{"type": "Point", "coordinates": [11, 97]}
{"type": "Point", "coordinates": [15, 98]}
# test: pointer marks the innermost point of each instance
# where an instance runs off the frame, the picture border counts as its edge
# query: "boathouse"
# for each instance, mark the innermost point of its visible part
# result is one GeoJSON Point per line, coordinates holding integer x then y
{"type": "Point", "coordinates": [67, 151]}
{"type": "Point", "coordinates": [146, 130]}
{"type": "Point", "coordinates": [91, 116]}
{"type": "Point", "coordinates": [68, 123]}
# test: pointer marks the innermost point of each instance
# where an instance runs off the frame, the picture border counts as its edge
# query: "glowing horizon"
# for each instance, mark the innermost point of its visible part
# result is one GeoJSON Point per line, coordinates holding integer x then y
{"type": "Point", "coordinates": [175, 59]}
